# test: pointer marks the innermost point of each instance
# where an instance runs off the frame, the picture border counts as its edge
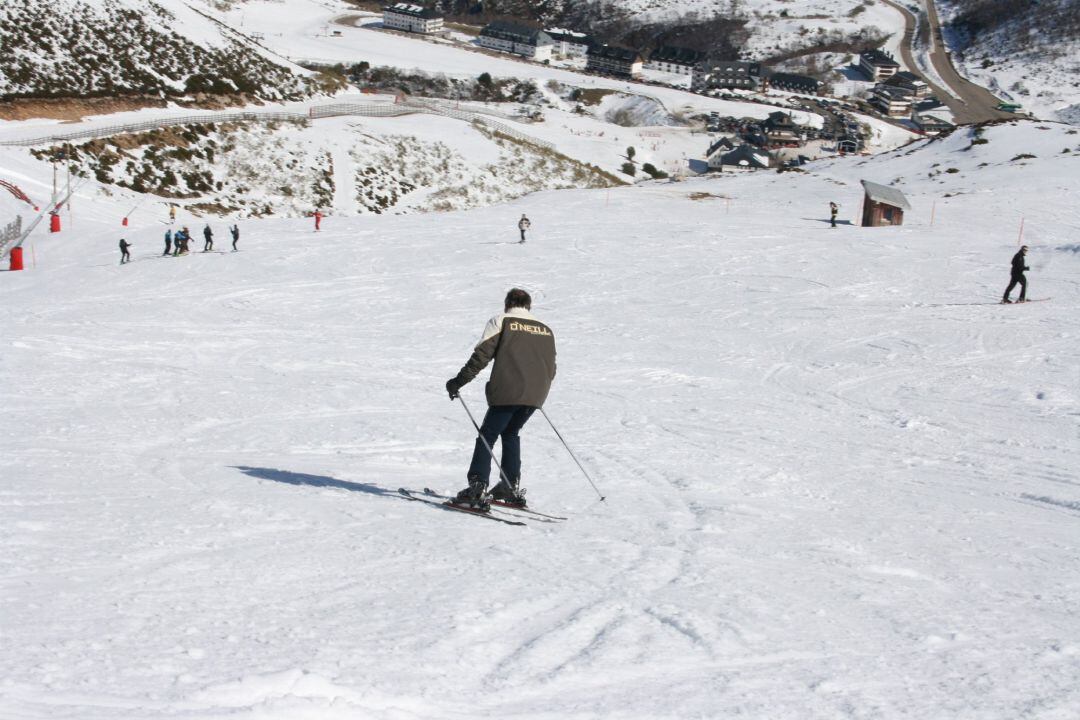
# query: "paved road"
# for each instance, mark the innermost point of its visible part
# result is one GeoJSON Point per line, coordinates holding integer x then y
{"type": "Point", "coordinates": [976, 103]}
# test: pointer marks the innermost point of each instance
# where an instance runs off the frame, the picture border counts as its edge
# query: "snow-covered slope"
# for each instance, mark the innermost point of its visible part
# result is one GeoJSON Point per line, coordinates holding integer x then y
{"type": "Point", "coordinates": [841, 481]}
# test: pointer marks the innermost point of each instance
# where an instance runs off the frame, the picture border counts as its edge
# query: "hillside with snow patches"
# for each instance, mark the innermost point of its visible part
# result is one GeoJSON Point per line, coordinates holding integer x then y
{"type": "Point", "coordinates": [1027, 52]}
{"type": "Point", "coordinates": [774, 27]}
{"type": "Point", "coordinates": [155, 49]}
{"type": "Point", "coordinates": [350, 167]}
{"type": "Point", "coordinates": [841, 480]}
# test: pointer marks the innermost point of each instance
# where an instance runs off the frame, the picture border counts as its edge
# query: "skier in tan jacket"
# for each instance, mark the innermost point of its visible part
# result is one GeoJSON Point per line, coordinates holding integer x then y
{"type": "Point", "coordinates": [523, 349]}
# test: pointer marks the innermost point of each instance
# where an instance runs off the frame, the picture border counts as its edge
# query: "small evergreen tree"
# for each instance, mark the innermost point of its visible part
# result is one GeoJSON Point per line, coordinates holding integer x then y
{"type": "Point", "coordinates": [651, 170]}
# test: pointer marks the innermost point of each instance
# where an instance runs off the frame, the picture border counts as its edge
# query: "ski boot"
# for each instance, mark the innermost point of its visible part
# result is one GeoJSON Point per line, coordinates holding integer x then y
{"type": "Point", "coordinates": [512, 495]}
{"type": "Point", "coordinates": [474, 497]}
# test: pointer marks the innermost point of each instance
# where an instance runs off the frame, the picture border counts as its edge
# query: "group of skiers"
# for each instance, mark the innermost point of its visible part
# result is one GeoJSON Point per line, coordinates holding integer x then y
{"type": "Point", "coordinates": [177, 243]}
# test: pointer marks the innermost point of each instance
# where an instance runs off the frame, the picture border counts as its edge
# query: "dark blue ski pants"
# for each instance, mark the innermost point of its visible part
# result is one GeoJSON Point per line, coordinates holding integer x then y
{"type": "Point", "coordinates": [503, 421]}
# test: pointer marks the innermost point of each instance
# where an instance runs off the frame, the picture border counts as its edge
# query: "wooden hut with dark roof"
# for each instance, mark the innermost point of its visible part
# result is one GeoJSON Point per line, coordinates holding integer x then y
{"type": "Point", "coordinates": [882, 205]}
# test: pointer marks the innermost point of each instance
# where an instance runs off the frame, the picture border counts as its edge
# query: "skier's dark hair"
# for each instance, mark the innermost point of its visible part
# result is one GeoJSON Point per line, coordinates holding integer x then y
{"type": "Point", "coordinates": [518, 298]}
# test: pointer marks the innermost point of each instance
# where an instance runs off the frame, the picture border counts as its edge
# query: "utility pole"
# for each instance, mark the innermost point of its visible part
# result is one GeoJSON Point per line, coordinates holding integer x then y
{"type": "Point", "coordinates": [67, 157]}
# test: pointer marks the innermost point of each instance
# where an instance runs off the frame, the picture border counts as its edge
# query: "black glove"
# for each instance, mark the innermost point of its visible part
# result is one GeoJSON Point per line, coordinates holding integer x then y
{"type": "Point", "coordinates": [453, 387]}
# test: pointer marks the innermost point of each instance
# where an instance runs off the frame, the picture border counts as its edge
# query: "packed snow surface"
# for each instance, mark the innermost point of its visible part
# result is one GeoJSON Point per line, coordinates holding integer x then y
{"type": "Point", "coordinates": [841, 480]}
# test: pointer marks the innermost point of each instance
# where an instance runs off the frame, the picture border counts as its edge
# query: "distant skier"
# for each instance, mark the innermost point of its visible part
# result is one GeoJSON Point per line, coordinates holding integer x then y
{"type": "Point", "coordinates": [181, 240]}
{"type": "Point", "coordinates": [208, 234]}
{"type": "Point", "coordinates": [172, 214]}
{"type": "Point", "coordinates": [523, 225]}
{"type": "Point", "coordinates": [235, 232]}
{"type": "Point", "coordinates": [524, 352]}
{"type": "Point", "coordinates": [125, 256]}
{"type": "Point", "coordinates": [833, 208]}
{"type": "Point", "coordinates": [168, 243]}
{"type": "Point", "coordinates": [318, 220]}
{"type": "Point", "coordinates": [1017, 276]}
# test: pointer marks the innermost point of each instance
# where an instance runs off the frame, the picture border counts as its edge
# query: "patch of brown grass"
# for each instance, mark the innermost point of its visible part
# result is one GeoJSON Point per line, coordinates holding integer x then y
{"type": "Point", "coordinates": [199, 209]}
{"type": "Point", "coordinates": [73, 109]}
{"type": "Point", "coordinates": [593, 96]}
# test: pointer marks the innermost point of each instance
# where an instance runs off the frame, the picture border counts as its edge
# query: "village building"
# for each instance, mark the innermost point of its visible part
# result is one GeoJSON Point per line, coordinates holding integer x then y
{"type": "Point", "coordinates": [878, 65]}
{"type": "Point", "coordinates": [517, 39]}
{"type": "Point", "coordinates": [930, 124]}
{"type": "Point", "coordinates": [891, 100]}
{"type": "Point", "coordinates": [781, 130]}
{"type": "Point", "coordinates": [717, 149]}
{"type": "Point", "coordinates": [744, 158]}
{"type": "Point", "coordinates": [882, 205]}
{"type": "Point", "coordinates": [788, 82]}
{"type": "Point", "coordinates": [680, 61]}
{"type": "Point", "coordinates": [911, 82]}
{"type": "Point", "coordinates": [611, 60]}
{"type": "Point", "coordinates": [568, 43]}
{"type": "Point", "coordinates": [727, 75]}
{"type": "Point", "coordinates": [412, 18]}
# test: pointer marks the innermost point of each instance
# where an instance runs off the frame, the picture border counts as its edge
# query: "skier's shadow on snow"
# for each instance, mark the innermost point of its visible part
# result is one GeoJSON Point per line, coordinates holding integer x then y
{"type": "Point", "coordinates": [293, 478]}
{"type": "Point", "coordinates": [827, 221]}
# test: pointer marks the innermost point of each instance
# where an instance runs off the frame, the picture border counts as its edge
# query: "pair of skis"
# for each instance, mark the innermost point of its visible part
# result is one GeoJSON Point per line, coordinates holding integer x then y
{"type": "Point", "coordinates": [500, 512]}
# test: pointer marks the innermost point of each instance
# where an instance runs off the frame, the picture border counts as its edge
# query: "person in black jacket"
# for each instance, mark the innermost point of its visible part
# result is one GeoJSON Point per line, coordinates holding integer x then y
{"type": "Point", "coordinates": [523, 349]}
{"type": "Point", "coordinates": [208, 234]}
{"type": "Point", "coordinates": [125, 256]}
{"type": "Point", "coordinates": [1017, 276]}
{"type": "Point", "coordinates": [524, 224]}
{"type": "Point", "coordinates": [180, 241]}
{"type": "Point", "coordinates": [235, 232]}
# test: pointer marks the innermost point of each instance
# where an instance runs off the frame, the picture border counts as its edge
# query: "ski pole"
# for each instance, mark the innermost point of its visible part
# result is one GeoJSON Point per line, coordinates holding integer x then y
{"type": "Point", "coordinates": [502, 473]}
{"type": "Point", "coordinates": [572, 454]}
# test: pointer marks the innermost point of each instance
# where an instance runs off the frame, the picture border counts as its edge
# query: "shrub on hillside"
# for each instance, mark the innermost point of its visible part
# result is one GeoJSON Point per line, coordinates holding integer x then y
{"type": "Point", "coordinates": [651, 170]}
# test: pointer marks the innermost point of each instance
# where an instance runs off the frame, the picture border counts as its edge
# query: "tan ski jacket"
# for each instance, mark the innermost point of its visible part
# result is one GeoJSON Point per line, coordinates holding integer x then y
{"type": "Point", "coordinates": [524, 352]}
